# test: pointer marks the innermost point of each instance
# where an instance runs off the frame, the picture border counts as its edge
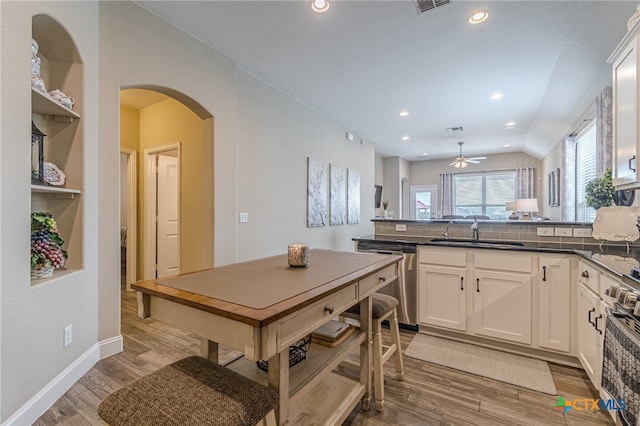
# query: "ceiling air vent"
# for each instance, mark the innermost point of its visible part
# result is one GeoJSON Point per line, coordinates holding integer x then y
{"type": "Point", "coordinates": [425, 5]}
{"type": "Point", "coordinates": [455, 129]}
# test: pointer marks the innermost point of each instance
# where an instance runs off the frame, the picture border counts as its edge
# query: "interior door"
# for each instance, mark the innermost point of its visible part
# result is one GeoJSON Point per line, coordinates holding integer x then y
{"type": "Point", "coordinates": [168, 198]}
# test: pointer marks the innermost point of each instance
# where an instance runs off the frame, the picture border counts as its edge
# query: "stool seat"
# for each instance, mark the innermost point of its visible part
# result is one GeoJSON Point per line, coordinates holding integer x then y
{"type": "Point", "coordinates": [191, 391]}
{"type": "Point", "coordinates": [381, 304]}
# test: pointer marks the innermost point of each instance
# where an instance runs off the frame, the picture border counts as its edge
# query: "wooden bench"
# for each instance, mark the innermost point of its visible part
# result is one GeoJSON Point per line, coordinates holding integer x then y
{"type": "Point", "coordinates": [191, 391]}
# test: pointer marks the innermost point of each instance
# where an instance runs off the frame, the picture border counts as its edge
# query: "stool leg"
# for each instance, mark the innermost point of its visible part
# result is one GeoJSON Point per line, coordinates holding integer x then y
{"type": "Point", "coordinates": [395, 336]}
{"type": "Point", "coordinates": [378, 372]}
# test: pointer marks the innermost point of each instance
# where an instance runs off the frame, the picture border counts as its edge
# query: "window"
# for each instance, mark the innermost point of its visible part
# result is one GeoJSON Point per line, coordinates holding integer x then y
{"type": "Point", "coordinates": [585, 170]}
{"type": "Point", "coordinates": [484, 194]}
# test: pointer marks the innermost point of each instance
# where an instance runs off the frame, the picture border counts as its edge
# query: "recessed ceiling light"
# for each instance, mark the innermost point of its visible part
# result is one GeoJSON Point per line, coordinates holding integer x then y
{"type": "Point", "coordinates": [404, 113]}
{"type": "Point", "coordinates": [424, 154]}
{"type": "Point", "coordinates": [405, 138]}
{"type": "Point", "coordinates": [320, 6]}
{"type": "Point", "coordinates": [496, 96]}
{"type": "Point", "coordinates": [479, 16]}
{"type": "Point", "coordinates": [510, 124]}
{"type": "Point", "coordinates": [506, 145]}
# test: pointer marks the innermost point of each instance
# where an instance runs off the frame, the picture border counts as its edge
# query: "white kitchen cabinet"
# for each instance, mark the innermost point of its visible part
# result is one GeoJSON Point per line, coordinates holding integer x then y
{"type": "Point", "coordinates": [626, 96]}
{"type": "Point", "coordinates": [589, 346]}
{"type": "Point", "coordinates": [502, 305]}
{"type": "Point", "coordinates": [554, 301]}
{"type": "Point", "coordinates": [442, 287]}
{"type": "Point", "coordinates": [443, 296]}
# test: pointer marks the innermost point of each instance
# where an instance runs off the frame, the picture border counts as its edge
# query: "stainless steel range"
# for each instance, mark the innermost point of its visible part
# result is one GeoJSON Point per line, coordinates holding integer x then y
{"type": "Point", "coordinates": [621, 348]}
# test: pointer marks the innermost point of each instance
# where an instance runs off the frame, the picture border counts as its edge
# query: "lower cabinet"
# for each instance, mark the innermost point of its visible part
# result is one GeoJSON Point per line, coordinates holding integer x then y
{"type": "Point", "coordinates": [443, 296]}
{"type": "Point", "coordinates": [554, 303]}
{"type": "Point", "coordinates": [589, 340]}
{"type": "Point", "coordinates": [502, 305]}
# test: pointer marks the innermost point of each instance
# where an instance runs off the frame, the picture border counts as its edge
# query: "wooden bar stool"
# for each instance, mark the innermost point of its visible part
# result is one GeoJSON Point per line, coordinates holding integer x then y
{"type": "Point", "coordinates": [191, 391]}
{"type": "Point", "coordinates": [383, 307]}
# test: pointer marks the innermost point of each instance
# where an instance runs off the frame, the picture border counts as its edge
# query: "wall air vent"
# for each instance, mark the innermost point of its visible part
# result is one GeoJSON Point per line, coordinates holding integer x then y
{"type": "Point", "coordinates": [423, 6]}
{"type": "Point", "coordinates": [455, 129]}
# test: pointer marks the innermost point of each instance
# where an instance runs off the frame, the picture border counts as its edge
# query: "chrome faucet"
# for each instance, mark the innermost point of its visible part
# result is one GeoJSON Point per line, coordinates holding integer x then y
{"type": "Point", "coordinates": [445, 234]}
{"type": "Point", "coordinates": [475, 229]}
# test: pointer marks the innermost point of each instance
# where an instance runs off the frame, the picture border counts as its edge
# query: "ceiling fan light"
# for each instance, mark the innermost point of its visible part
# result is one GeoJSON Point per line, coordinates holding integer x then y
{"type": "Point", "coordinates": [320, 6]}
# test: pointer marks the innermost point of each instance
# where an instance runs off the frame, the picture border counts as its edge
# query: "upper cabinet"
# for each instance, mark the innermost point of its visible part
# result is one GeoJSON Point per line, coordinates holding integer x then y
{"type": "Point", "coordinates": [56, 110]}
{"type": "Point", "coordinates": [626, 144]}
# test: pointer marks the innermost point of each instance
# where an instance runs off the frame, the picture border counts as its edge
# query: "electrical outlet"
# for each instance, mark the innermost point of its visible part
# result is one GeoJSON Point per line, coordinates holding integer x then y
{"type": "Point", "coordinates": [68, 335]}
{"type": "Point", "coordinates": [582, 232]}
{"type": "Point", "coordinates": [402, 227]}
{"type": "Point", "coordinates": [544, 231]}
{"type": "Point", "coordinates": [244, 217]}
{"type": "Point", "coordinates": [563, 232]}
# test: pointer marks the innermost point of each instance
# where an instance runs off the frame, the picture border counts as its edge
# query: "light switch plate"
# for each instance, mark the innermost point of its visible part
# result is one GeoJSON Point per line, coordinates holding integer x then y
{"type": "Point", "coordinates": [563, 232]}
{"type": "Point", "coordinates": [582, 232]}
{"type": "Point", "coordinates": [244, 217]}
{"type": "Point", "coordinates": [544, 231]}
{"type": "Point", "coordinates": [401, 227]}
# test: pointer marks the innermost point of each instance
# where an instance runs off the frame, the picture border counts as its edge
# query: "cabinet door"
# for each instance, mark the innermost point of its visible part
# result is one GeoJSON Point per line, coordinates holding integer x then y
{"type": "Point", "coordinates": [625, 118]}
{"type": "Point", "coordinates": [588, 341]}
{"type": "Point", "coordinates": [442, 297]}
{"type": "Point", "coordinates": [502, 305]}
{"type": "Point", "coordinates": [554, 314]}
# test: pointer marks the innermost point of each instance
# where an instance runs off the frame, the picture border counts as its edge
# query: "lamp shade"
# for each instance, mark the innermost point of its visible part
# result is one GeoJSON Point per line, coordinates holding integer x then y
{"type": "Point", "coordinates": [527, 205]}
{"type": "Point", "coordinates": [511, 206]}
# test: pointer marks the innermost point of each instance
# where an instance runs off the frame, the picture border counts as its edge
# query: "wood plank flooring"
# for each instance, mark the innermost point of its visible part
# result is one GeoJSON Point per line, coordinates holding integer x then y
{"type": "Point", "coordinates": [429, 395]}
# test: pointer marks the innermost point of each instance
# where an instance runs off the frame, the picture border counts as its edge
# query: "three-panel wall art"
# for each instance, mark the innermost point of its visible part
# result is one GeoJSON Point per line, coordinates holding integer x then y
{"type": "Point", "coordinates": [333, 194]}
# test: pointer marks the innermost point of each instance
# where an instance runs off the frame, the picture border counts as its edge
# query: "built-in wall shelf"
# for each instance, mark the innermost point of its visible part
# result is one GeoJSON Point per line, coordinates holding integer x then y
{"type": "Point", "coordinates": [58, 191]}
{"type": "Point", "coordinates": [42, 103]}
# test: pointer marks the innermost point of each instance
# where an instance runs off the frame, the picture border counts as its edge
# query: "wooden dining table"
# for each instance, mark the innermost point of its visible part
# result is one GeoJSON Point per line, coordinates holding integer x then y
{"type": "Point", "coordinates": [262, 307]}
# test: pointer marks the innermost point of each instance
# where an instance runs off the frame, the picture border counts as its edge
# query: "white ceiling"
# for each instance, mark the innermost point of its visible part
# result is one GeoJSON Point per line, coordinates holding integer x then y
{"type": "Point", "coordinates": [362, 62]}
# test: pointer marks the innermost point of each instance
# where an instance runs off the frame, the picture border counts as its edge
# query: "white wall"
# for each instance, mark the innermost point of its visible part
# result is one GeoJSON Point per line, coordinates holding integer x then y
{"type": "Point", "coordinates": [33, 317]}
{"type": "Point", "coordinates": [551, 162]}
{"type": "Point", "coordinates": [276, 134]}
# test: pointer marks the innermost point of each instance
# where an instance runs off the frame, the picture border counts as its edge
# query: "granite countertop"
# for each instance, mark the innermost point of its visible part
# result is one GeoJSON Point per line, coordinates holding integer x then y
{"type": "Point", "coordinates": [614, 258]}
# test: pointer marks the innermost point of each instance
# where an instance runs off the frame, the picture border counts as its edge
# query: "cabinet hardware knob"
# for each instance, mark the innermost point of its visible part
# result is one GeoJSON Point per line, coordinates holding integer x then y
{"type": "Point", "coordinates": [461, 283]}
{"type": "Point", "coordinates": [329, 309]}
{"type": "Point", "coordinates": [585, 274]}
{"type": "Point", "coordinates": [630, 160]}
{"type": "Point", "coordinates": [544, 273]}
{"type": "Point", "coordinates": [478, 285]}
{"type": "Point", "coordinates": [596, 323]}
{"type": "Point", "coordinates": [591, 311]}
{"type": "Point", "coordinates": [382, 279]}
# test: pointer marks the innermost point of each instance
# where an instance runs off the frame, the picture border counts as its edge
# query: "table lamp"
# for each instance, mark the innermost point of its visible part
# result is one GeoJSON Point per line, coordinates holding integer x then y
{"type": "Point", "coordinates": [511, 206]}
{"type": "Point", "coordinates": [527, 206]}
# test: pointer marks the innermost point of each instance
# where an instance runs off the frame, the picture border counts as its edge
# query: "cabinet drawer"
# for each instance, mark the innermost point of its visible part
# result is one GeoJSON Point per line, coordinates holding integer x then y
{"type": "Point", "coordinates": [502, 261]}
{"type": "Point", "coordinates": [388, 274]}
{"type": "Point", "coordinates": [589, 276]}
{"type": "Point", "coordinates": [303, 322]}
{"type": "Point", "coordinates": [443, 256]}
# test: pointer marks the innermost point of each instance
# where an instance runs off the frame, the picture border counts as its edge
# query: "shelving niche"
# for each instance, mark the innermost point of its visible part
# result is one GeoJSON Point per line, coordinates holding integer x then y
{"type": "Point", "coordinates": [61, 68]}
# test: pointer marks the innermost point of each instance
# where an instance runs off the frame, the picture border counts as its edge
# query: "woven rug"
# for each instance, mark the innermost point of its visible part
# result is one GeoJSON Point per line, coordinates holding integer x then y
{"type": "Point", "coordinates": [517, 370]}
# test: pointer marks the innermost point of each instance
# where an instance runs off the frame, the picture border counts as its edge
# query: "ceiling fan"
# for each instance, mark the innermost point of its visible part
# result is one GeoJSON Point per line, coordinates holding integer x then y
{"type": "Point", "coordinates": [461, 161]}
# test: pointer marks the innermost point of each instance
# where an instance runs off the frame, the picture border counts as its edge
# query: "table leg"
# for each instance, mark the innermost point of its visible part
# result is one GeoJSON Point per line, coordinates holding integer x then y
{"type": "Point", "coordinates": [366, 352]}
{"type": "Point", "coordinates": [209, 349]}
{"type": "Point", "coordinates": [279, 380]}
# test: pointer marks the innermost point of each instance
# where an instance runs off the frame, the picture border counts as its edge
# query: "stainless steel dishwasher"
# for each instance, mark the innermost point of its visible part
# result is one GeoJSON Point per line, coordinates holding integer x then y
{"type": "Point", "coordinates": [405, 289]}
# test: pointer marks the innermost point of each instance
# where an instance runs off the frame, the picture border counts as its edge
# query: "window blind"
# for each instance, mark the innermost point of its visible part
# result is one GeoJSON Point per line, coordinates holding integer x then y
{"type": "Point", "coordinates": [585, 171]}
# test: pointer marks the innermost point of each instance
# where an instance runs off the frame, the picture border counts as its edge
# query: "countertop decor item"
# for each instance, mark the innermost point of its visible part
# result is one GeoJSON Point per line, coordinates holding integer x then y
{"type": "Point", "coordinates": [599, 191]}
{"type": "Point", "coordinates": [298, 255]}
{"type": "Point", "coordinates": [52, 175]}
{"type": "Point", "coordinates": [616, 223]}
{"type": "Point", "coordinates": [46, 245]}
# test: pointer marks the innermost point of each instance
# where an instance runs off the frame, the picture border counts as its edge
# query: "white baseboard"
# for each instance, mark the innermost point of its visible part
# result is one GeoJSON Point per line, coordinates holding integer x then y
{"type": "Point", "coordinates": [110, 347]}
{"type": "Point", "coordinates": [47, 396]}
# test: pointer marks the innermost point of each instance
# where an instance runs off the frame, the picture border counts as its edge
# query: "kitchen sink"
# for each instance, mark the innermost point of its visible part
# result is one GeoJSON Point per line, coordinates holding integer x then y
{"type": "Point", "coordinates": [477, 243]}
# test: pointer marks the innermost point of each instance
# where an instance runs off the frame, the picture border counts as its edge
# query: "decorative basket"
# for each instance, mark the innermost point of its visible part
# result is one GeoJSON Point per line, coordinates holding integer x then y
{"type": "Point", "coordinates": [39, 273]}
{"type": "Point", "coordinates": [297, 353]}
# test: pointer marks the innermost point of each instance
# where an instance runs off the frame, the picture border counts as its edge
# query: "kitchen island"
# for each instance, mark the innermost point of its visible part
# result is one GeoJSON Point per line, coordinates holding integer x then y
{"type": "Point", "coordinates": [261, 307]}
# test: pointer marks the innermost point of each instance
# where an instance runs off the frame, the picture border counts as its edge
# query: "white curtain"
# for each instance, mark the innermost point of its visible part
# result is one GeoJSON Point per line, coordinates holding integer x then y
{"type": "Point", "coordinates": [446, 184]}
{"type": "Point", "coordinates": [525, 183]}
{"type": "Point", "coordinates": [568, 181]}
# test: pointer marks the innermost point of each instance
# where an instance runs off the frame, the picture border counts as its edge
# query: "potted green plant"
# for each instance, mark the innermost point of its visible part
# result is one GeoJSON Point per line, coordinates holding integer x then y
{"type": "Point", "coordinates": [46, 245]}
{"type": "Point", "coordinates": [385, 204]}
{"type": "Point", "coordinates": [599, 191]}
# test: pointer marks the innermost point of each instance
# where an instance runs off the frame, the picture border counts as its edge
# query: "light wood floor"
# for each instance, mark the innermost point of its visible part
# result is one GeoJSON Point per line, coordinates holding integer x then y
{"type": "Point", "coordinates": [429, 394]}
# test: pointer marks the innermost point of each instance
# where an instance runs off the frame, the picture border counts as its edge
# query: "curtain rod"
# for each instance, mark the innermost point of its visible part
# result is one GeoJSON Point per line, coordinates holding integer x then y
{"type": "Point", "coordinates": [486, 171]}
